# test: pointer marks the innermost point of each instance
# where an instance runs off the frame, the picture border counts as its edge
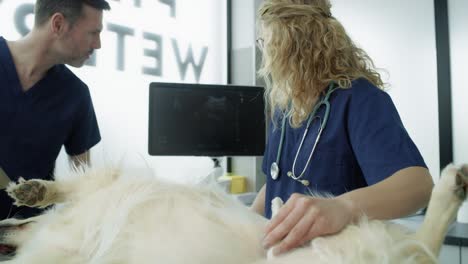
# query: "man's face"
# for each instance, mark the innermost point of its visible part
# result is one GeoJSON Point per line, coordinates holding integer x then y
{"type": "Point", "coordinates": [82, 38]}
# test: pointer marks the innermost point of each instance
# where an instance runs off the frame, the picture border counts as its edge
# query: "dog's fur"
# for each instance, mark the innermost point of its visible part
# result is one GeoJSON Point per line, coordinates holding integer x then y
{"type": "Point", "coordinates": [106, 217]}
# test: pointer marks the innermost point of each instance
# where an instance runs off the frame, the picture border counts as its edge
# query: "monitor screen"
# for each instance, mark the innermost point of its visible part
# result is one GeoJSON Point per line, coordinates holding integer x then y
{"type": "Point", "coordinates": [206, 120]}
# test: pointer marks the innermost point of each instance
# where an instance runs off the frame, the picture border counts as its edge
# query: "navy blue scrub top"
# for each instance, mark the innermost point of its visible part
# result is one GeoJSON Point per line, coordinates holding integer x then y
{"type": "Point", "coordinates": [363, 143]}
{"type": "Point", "coordinates": [35, 124]}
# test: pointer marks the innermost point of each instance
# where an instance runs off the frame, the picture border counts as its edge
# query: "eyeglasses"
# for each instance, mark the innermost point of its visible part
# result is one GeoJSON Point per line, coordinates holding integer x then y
{"type": "Point", "coordinates": [260, 43]}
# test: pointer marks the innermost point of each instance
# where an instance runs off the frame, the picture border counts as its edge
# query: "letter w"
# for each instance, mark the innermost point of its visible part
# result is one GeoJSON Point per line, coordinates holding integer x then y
{"type": "Point", "coordinates": [183, 65]}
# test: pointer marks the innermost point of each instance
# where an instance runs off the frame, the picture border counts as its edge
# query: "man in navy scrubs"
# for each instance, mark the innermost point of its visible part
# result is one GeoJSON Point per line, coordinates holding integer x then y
{"type": "Point", "coordinates": [43, 105]}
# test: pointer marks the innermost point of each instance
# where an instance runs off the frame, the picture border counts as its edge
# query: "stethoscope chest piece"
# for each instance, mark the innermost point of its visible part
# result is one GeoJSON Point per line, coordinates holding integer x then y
{"type": "Point", "coordinates": [274, 171]}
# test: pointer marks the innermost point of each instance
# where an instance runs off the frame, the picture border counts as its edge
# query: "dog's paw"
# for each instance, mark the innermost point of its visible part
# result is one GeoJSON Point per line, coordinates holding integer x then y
{"type": "Point", "coordinates": [30, 193]}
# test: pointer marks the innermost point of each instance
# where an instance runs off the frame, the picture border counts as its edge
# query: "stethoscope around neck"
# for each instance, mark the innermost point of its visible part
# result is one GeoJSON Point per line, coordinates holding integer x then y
{"type": "Point", "coordinates": [275, 169]}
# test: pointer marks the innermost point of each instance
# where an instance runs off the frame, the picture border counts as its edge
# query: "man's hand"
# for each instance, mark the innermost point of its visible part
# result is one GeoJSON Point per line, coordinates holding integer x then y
{"type": "Point", "coordinates": [303, 218]}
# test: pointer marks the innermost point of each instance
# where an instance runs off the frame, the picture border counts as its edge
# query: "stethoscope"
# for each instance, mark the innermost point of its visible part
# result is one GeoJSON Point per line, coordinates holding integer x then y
{"type": "Point", "coordinates": [274, 169]}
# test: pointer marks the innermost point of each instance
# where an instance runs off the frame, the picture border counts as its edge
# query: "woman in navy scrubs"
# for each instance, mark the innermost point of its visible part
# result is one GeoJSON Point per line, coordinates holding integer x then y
{"type": "Point", "coordinates": [333, 131]}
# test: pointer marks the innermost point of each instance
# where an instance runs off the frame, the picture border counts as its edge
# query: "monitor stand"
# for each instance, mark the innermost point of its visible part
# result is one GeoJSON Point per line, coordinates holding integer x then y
{"type": "Point", "coordinates": [217, 169]}
{"type": "Point", "coordinates": [217, 174]}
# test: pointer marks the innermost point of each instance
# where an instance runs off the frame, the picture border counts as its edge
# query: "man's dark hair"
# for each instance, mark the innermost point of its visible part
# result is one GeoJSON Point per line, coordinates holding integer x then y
{"type": "Point", "coordinates": [70, 9]}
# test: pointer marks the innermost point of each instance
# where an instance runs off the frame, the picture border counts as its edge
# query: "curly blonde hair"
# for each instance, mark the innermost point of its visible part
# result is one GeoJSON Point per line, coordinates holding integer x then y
{"type": "Point", "coordinates": [306, 48]}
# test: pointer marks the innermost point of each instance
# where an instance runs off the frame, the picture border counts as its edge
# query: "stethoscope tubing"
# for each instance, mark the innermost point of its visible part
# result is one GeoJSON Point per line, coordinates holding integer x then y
{"type": "Point", "coordinates": [274, 169]}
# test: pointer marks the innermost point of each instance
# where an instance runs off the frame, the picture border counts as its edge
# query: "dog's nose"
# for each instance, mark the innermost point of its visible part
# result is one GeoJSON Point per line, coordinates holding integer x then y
{"type": "Point", "coordinates": [6, 250]}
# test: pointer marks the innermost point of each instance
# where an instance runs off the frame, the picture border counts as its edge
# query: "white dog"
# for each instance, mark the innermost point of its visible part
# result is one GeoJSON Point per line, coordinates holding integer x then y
{"type": "Point", "coordinates": [109, 218]}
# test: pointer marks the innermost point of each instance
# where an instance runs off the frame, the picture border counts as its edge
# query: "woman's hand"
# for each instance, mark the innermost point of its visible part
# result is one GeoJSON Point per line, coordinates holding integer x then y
{"type": "Point", "coordinates": [303, 218]}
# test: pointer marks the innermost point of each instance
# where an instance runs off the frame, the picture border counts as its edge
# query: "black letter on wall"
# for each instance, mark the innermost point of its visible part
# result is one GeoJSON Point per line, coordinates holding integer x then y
{"type": "Point", "coordinates": [183, 65]}
{"type": "Point", "coordinates": [121, 33]}
{"type": "Point", "coordinates": [172, 4]}
{"type": "Point", "coordinates": [154, 53]}
{"type": "Point", "coordinates": [20, 18]}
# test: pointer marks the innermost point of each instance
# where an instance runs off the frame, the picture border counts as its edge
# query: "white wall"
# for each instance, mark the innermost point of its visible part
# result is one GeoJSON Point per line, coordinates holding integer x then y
{"type": "Point", "coordinates": [121, 95]}
{"type": "Point", "coordinates": [399, 36]}
{"type": "Point", "coordinates": [458, 20]}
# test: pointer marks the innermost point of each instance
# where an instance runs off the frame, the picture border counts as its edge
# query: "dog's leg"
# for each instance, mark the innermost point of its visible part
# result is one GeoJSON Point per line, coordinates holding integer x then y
{"type": "Point", "coordinates": [41, 193]}
{"type": "Point", "coordinates": [446, 198]}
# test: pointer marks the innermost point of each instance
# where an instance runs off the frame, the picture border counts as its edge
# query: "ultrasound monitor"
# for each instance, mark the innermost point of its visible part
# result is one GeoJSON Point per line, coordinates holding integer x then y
{"type": "Point", "coordinates": [206, 120]}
